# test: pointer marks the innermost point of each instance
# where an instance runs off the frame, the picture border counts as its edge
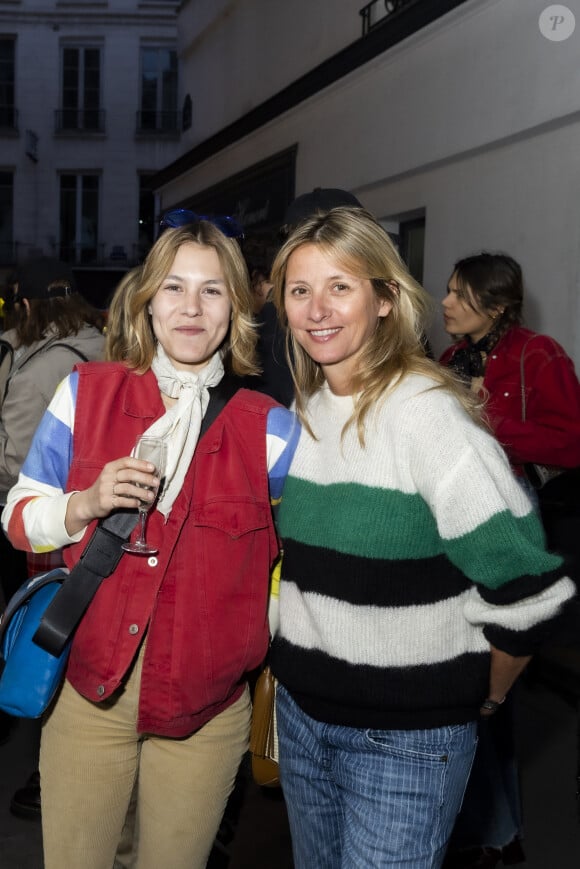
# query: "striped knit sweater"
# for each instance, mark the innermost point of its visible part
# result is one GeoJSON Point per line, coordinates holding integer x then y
{"type": "Point", "coordinates": [403, 562]}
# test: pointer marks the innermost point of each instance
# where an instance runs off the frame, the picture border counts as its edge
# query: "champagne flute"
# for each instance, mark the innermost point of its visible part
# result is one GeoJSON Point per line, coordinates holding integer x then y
{"type": "Point", "coordinates": [152, 450]}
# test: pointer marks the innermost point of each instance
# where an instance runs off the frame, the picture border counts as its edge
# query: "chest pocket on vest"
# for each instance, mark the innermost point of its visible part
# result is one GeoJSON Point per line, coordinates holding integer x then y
{"type": "Point", "coordinates": [234, 517]}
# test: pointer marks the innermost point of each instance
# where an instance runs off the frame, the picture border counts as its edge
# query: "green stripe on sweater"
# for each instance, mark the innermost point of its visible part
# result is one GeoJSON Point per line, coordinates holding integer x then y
{"type": "Point", "coordinates": [499, 550]}
{"type": "Point", "coordinates": [406, 529]}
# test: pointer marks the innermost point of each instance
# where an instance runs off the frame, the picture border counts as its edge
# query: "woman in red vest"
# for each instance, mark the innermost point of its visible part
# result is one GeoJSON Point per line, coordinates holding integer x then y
{"type": "Point", "coordinates": [156, 689]}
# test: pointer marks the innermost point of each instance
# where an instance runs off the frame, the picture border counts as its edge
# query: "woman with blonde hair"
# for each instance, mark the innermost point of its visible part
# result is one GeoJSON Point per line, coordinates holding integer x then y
{"type": "Point", "coordinates": [118, 316]}
{"type": "Point", "coordinates": [156, 690]}
{"type": "Point", "coordinates": [415, 583]}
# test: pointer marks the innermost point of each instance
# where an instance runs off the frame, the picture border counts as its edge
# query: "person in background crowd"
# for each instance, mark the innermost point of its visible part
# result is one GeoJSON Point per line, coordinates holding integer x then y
{"type": "Point", "coordinates": [13, 562]}
{"type": "Point", "coordinates": [261, 286]}
{"type": "Point", "coordinates": [533, 407]}
{"type": "Point", "coordinates": [53, 328]}
{"type": "Point", "coordinates": [133, 709]}
{"type": "Point", "coordinates": [118, 331]}
{"type": "Point", "coordinates": [483, 305]}
{"type": "Point", "coordinates": [7, 336]}
{"type": "Point", "coordinates": [531, 388]}
{"type": "Point", "coordinates": [415, 583]}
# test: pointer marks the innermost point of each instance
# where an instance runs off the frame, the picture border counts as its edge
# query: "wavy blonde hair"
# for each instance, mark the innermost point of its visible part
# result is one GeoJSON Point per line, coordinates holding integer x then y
{"type": "Point", "coordinates": [360, 245]}
{"type": "Point", "coordinates": [118, 330]}
{"type": "Point", "coordinates": [239, 347]}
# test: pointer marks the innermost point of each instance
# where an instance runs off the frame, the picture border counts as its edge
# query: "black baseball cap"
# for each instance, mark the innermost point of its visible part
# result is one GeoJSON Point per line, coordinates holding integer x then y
{"type": "Point", "coordinates": [45, 278]}
{"type": "Point", "coordinates": [321, 199]}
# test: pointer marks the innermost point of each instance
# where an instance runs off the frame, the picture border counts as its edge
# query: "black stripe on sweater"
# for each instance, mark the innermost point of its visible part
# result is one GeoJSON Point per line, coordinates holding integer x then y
{"type": "Point", "coordinates": [380, 582]}
{"type": "Point", "coordinates": [521, 587]}
{"type": "Point", "coordinates": [521, 643]}
{"type": "Point", "coordinates": [399, 697]}
{"type": "Point", "coordinates": [363, 581]}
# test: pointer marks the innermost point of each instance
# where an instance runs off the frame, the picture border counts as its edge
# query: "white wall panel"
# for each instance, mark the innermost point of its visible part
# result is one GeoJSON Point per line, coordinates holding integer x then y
{"type": "Point", "coordinates": [476, 118]}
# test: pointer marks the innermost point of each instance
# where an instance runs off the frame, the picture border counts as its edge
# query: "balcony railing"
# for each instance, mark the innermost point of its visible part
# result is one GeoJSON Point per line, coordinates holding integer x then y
{"type": "Point", "coordinates": [158, 122]}
{"type": "Point", "coordinates": [14, 252]}
{"type": "Point", "coordinates": [79, 121]}
{"type": "Point", "coordinates": [101, 255]}
{"type": "Point", "coordinates": [378, 11]}
{"type": "Point", "coordinates": [8, 118]}
{"type": "Point", "coordinates": [82, 254]}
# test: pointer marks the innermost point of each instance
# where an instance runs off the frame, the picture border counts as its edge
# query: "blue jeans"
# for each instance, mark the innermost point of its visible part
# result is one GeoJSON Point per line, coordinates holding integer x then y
{"type": "Point", "coordinates": [370, 798]}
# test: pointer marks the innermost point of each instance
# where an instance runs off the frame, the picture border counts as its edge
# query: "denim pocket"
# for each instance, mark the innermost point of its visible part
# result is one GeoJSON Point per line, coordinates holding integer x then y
{"type": "Point", "coordinates": [431, 745]}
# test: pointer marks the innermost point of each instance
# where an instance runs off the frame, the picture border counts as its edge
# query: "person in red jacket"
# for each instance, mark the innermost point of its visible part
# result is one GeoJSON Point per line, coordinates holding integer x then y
{"type": "Point", "coordinates": [156, 695]}
{"type": "Point", "coordinates": [499, 358]}
{"type": "Point", "coordinates": [532, 404]}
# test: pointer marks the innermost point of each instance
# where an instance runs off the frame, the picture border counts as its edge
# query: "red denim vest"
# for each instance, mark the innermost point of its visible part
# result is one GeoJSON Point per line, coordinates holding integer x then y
{"type": "Point", "coordinates": [202, 600]}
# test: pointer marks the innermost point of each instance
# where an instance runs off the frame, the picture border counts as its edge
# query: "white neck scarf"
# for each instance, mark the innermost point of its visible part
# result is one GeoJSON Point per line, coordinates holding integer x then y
{"type": "Point", "coordinates": [180, 425]}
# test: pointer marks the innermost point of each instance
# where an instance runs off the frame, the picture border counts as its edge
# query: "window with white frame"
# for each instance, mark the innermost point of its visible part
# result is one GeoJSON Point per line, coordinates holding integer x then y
{"type": "Point", "coordinates": [81, 89]}
{"type": "Point", "coordinates": [79, 218]}
{"type": "Point", "coordinates": [158, 110]}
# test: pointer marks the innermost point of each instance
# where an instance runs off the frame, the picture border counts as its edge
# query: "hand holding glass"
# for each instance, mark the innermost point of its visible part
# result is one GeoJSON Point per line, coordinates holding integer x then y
{"type": "Point", "coordinates": [152, 450]}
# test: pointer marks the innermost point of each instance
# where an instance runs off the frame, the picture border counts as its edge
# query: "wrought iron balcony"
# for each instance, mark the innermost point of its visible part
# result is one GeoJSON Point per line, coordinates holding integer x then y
{"type": "Point", "coordinates": [14, 252]}
{"type": "Point", "coordinates": [377, 12]}
{"type": "Point", "coordinates": [79, 120]}
{"type": "Point", "coordinates": [151, 122]}
{"type": "Point", "coordinates": [81, 253]}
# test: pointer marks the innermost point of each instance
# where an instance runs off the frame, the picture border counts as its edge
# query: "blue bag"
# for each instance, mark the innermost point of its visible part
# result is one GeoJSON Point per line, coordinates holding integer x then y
{"type": "Point", "coordinates": [29, 675]}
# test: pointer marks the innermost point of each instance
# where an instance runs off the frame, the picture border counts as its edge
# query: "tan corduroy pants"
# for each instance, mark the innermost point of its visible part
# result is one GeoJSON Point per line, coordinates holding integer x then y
{"type": "Point", "coordinates": [90, 757]}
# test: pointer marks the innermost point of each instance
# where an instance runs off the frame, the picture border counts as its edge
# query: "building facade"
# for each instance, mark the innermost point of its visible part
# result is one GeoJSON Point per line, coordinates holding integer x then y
{"type": "Point", "coordinates": [90, 110]}
{"type": "Point", "coordinates": [456, 123]}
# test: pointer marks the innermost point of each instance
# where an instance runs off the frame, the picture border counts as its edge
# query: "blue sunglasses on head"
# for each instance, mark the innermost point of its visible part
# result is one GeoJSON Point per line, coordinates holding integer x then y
{"type": "Point", "coordinates": [229, 226]}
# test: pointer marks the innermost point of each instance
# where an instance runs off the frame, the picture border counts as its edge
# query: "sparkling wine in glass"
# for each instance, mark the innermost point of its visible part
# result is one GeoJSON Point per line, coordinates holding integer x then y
{"type": "Point", "coordinates": [152, 450]}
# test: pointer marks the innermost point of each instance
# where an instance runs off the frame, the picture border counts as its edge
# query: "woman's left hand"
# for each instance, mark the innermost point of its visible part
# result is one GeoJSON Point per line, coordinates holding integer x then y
{"type": "Point", "coordinates": [504, 671]}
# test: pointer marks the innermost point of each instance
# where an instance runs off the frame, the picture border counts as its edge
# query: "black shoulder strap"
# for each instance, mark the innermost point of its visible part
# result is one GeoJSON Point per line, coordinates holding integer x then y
{"type": "Point", "coordinates": [99, 559]}
{"type": "Point", "coordinates": [72, 350]}
{"type": "Point", "coordinates": [218, 398]}
{"type": "Point", "coordinates": [103, 553]}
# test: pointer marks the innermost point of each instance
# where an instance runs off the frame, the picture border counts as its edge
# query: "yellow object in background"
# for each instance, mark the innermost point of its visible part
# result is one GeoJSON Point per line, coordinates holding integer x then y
{"type": "Point", "coordinates": [273, 606]}
{"type": "Point", "coordinates": [275, 578]}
